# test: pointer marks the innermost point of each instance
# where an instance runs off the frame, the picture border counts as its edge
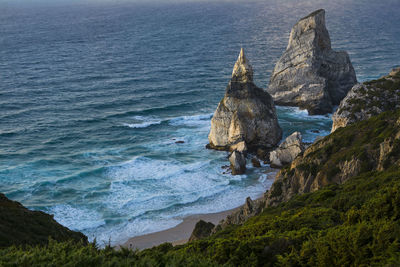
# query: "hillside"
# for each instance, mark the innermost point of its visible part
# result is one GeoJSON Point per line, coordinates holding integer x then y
{"type": "Point", "coordinates": [346, 219]}
{"type": "Point", "coordinates": [20, 226]}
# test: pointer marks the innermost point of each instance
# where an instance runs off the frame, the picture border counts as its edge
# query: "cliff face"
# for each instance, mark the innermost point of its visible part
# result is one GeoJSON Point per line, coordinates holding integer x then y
{"type": "Point", "coordinates": [366, 146]}
{"type": "Point", "coordinates": [369, 99]}
{"type": "Point", "coordinates": [246, 113]}
{"type": "Point", "coordinates": [20, 226]}
{"type": "Point", "coordinates": [310, 74]}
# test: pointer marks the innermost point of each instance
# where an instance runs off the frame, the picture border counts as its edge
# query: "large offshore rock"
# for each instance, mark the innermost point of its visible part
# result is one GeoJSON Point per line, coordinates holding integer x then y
{"type": "Point", "coordinates": [287, 151]}
{"type": "Point", "coordinates": [246, 113]}
{"type": "Point", "coordinates": [369, 99]}
{"type": "Point", "coordinates": [310, 74]}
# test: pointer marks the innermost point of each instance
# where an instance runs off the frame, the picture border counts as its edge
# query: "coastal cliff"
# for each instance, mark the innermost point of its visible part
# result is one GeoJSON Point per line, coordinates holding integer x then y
{"type": "Point", "coordinates": [371, 145]}
{"type": "Point", "coordinates": [310, 74]}
{"type": "Point", "coordinates": [369, 99]}
{"type": "Point", "coordinates": [245, 114]}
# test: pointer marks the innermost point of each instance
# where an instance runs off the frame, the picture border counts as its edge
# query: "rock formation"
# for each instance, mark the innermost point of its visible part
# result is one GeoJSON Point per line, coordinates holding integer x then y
{"type": "Point", "coordinates": [287, 151]}
{"type": "Point", "coordinates": [238, 162]}
{"type": "Point", "coordinates": [310, 74]}
{"type": "Point", "coordinates": [368, 99]}
{"type": "Point", "coordinates": [202, 229]}
{"type": "Point", "coordinates": [245, 114]}
{"type": "Point", "coordinates": [242, 214]}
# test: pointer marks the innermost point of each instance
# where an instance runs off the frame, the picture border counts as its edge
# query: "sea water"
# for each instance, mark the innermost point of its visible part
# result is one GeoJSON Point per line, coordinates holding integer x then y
{"type": "Point", "coordinates": [94, 97]}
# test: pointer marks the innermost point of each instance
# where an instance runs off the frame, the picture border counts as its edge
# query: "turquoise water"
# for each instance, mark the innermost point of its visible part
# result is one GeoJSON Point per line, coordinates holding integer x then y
{"type": "Point", "coordinates": [93, 98]}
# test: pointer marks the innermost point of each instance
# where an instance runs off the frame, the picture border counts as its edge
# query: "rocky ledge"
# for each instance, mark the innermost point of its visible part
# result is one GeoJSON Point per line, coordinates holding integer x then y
{"type": "Point", "coordinates": [310, 74]}
{"type": "Point", "coordinates": [368, 99]}
{"type": "Point", "coordinates": [245, 114]}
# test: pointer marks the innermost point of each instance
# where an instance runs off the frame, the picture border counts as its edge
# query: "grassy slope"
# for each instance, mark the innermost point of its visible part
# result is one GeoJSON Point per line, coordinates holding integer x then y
{"type": "Point", "coordinates": [353, 224]}
{"type": "Point", "coordinates": [18, 226]}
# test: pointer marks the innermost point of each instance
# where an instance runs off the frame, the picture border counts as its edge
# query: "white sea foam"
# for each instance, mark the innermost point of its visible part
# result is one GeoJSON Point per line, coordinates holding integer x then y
{"type": "Point", "coordinates": [143, 122]}
{"type": "Point", "coordinates": [76, 218]}
{"type": "Point", "coordinates": [195, 120]}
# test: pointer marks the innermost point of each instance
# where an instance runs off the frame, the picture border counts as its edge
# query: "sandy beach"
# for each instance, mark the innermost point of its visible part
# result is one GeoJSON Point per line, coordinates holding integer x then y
{"type": "Point", "coordinates": [177, 235]}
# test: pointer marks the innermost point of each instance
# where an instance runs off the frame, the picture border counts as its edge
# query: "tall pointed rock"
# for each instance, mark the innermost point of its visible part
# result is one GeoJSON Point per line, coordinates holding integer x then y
{"type": "Point", "coordinates": [310, 74]}
{"type": "Point", "coordinates": [246, 113]}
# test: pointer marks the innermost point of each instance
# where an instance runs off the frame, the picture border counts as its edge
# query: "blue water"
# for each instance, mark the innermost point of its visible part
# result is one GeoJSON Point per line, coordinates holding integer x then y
{"type": "Point", "coordinates": [93, 98]}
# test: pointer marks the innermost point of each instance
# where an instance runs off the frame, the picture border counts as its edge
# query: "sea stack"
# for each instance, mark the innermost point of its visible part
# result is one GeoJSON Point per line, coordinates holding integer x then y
{"type": "Point", "coordinates": [310, 74]}
{"type": "Point", "coordinates": [246, 116]}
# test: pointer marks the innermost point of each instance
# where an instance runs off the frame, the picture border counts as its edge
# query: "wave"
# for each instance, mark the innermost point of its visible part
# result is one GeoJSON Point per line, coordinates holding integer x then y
{"type": "Point", "coordinates": [193, 120]}
{"type": "Point", "coordinates": [76, 218]}
{"type": "Point", "coordinates": [300, 113]}
{"type": "Point", "coordinates": [143, 122]}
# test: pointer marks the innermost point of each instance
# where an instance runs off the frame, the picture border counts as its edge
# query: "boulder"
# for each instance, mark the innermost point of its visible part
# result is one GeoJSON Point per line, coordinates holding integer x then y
{"type": "Point", "coordinates": [238, 162]}
{"type": "Point", "coordinates": [310, 74]}
{"type": "Point", "coordinates": [201, 230]}
{"type": "Point", "coordinates": [245, 114]}
{"type": "Point", "coordinates": [255, 162]}
{"type": "Point", "coordinates": [287, 151]}
{"type": "Point", "coordinates": [369, 99]}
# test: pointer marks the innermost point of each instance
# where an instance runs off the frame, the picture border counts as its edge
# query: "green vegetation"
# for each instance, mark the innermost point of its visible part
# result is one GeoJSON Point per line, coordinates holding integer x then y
{"type": "Point", "coordinates": [20, 226]}
{"type": "Point", "coordinates": [357, 145]}
{"type": "Point", "coordinates": [356, 223]}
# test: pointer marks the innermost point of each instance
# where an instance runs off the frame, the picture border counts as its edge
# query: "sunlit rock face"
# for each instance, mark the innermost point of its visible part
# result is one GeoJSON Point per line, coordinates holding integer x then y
{"type": "Point", "coordinates": [310, 74]}
{"type": "Point", "coordinates": [245, 114]}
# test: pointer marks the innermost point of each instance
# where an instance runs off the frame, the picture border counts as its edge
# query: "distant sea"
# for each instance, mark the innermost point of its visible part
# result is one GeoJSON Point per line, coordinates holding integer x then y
{"type": "Point", "coordinates": [93, 98]}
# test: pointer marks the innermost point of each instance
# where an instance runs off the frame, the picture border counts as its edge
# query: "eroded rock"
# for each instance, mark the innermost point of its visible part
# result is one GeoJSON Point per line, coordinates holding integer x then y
{"type": "Point", "coordinates": [310, 74]}
{"type": "Point", "coordinates": [287, 151]}
{"type": "Point", "coordinates": [238, 162]}
{"type": "Point", "coordinates": [245, 114]}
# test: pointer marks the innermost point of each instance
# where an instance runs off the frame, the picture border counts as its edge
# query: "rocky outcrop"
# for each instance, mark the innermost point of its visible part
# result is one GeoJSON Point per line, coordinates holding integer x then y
{"type": "Point", "coordinates": [249, 209]}
{"type": "Point", "coordinates": [245, 114]}
{"type": "Point", "coordinates": [238, 162]}
{"type": "Point", "coordinates": [201, 230]}
{"type": "Point", "coordinates": [365, 146]}
{"type": "Point", "coordinates": [368, 99]}
{"type": "Point", "coordinates": [20, 226]}
{"type": "Point", "coordinates": [287, 151]}
{"type": "Point", "coordinates": [310, 74]}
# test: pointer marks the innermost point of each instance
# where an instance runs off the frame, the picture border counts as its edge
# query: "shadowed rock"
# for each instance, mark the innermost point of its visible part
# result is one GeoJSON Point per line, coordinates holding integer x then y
{"type": "Point", "coordinates": [310, 74]}
{"type": "Point", "coordinates": [201, 230]}
{"type": "Point", "coordinates": [238, 162]}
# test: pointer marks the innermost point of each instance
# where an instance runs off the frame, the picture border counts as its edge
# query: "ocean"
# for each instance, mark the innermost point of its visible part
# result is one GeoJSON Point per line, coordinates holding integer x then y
{"type": "Point", "coordinates": [95, 95]}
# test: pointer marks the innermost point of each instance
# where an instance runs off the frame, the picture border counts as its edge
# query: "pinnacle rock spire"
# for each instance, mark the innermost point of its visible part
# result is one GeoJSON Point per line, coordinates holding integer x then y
{"type": "Point", "coordinates": [242, 71]}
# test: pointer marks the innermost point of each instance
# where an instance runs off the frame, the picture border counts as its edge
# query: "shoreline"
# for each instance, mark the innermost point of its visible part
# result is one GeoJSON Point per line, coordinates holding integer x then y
{"type": "Point", "coordinates": [177, 235]}
{"type": "Point", "coordinates": [180, 234]}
